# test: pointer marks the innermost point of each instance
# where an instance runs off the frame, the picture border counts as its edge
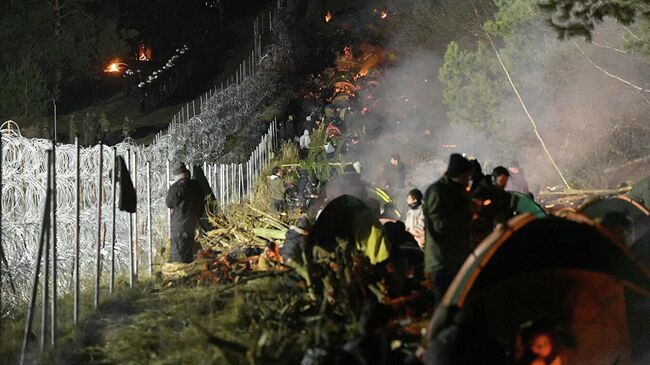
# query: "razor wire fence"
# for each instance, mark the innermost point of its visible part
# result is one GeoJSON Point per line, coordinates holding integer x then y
{"type": "Point", "coordinates": [96, 240]}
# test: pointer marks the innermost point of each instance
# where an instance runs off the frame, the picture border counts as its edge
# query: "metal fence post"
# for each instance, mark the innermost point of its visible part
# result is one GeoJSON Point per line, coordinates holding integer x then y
{"type": "Point", "coordinates": [149, 219]}
{"type": "Point", "coordinates": [136, 232]}
{"type": "Point", "coordinates": [169, 211]}
{"type": "Point", "coordinates": [53, 325]}
{"type": "Point", "coordinates": [99, 225]}
{"type": "Point", "coordinates": [131, 258]}
{"type": "Point", "coordinates": [111, 284]}
{"type": "Point", "coordinates": [46, 256]}
{"type": "Point", "coordinates": [39, 256]}
{"type": "Point", "coordinates": [77, 231]}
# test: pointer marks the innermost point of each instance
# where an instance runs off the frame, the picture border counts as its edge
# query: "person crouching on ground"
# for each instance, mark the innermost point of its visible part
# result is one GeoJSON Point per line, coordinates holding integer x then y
{"type": "Point", "coordinates": [185, 200]}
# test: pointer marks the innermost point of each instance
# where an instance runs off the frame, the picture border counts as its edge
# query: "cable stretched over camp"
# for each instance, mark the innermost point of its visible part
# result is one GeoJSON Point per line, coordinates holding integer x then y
{"type": "Point", "coordinates": [523, 105]}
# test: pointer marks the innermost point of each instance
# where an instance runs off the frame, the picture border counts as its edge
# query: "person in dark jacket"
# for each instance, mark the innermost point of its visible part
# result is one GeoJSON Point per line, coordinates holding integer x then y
{"type": "Point", "coordinates": [447, 215]}
{"type": "Point", "coordinates": [395, 173]}
{"type": "Point", "coordinates": [517, 178]}
{"type": "Point", "coordinates": [185, 200]}
{"type": "Point", "coordinates": [295, 242]}
{"type": "Point", "coordinates": [350, 183]}
{"type": "Point", "coordinates": [305, 189]}
{"type": "Point", "coordinates": [497, 204]}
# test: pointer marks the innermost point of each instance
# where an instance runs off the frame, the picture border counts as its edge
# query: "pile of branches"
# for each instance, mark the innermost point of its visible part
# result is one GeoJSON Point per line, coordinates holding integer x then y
{"type": "Point", "coordinates": [230, 249]}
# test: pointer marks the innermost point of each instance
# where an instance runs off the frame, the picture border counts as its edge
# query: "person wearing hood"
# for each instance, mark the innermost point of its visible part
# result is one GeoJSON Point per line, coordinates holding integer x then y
{"type": "Point", "coordinates": [290, 129]}
{"type": "Point", "coordinates": [517, 178]}
{"type": "Point", "coordinates": [305, 189]}
{"type": "Point", "coordinates": [414, 220]}
{"type": "Point", "coordinates": [304, 142]}
{"type": "Point", "coordinates": [447, 214]}
{"type": "Point", "coordinates": [277, 190]}
{"type": "Point", "coordinates": [185, 200]}
{"type": "Point", "coordinates": [395, 173]}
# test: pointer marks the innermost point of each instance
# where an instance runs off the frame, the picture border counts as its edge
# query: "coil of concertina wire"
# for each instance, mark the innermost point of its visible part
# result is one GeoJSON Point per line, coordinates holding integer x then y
{"type": "Point", "coordinates": [199, 140]}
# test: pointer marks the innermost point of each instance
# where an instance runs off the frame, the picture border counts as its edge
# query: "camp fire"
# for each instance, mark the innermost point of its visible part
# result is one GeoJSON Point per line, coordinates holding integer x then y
{"type": "Point", "coordinates": [383, 14]}
{"type": "Point", "coordinates": [328, 16]}
{"type": "Point", "coordinates": [144, 53]}
{"type": "Point", "coordinates": [113, 67]}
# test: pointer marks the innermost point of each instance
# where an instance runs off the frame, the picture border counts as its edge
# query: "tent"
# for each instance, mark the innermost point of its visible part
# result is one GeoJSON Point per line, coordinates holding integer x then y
{"type": "Point", "coordinates": [637, 234]}
{"type": "Point", "coordinates": [553, 269]}
{"type": "Point", "coordinates": [525, 204]}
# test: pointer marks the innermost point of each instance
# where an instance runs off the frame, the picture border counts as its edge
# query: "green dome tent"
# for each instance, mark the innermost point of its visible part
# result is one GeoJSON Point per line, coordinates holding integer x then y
{"type": "Point", "coordinates": [525, 204]}
{"type": "Point", "coordinates": [549, 268]}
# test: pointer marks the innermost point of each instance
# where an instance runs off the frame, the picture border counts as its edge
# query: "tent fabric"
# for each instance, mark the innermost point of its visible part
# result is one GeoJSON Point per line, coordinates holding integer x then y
{"type": "Point", "coordinates": [527, 205]}
{"type": "Point", "coordinates": [349, 218]}
{"type": "Point", "coordinates": [637, 235]}
{"type": "Point", "coordinates": [540, 244]}
{"type": "Point", "coordinates": [529, 252]}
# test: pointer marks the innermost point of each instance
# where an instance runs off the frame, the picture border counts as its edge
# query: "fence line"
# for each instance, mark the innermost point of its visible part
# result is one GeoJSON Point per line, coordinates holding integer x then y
{"type": "Point", "coordinates": [85, 185]}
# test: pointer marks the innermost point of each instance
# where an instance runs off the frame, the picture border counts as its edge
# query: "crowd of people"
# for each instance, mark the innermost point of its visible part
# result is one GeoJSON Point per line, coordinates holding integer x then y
{"type": "Point", "coordinates": [419, 248]}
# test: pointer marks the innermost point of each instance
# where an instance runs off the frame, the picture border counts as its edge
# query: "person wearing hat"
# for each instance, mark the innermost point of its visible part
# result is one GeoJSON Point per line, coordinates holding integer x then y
{"type": "Point", "coordinates": [185, 200]}
{"type": "Point", "coordinates": [447, 216]}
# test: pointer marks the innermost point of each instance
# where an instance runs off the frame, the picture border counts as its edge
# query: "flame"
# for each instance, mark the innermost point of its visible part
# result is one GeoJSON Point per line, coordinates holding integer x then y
{"type": "Point", "coordinates": [328, 16]}
{"type": "Point", "coordinates": [144, 53]}
{"type": "Point", "coordinates": [383, 14]}
{"type": "Point", "coordinates": [487, 202]}
{"type": "Point", "coordinates": [113, 67]}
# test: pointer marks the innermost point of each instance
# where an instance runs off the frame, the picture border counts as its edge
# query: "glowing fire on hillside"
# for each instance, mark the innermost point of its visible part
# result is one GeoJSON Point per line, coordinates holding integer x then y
{"type": "Point", "coordinates": [328, 16]}
{"type": "Point", "coordinates": [144, 52]}
{"type": "Point", "coordinates": [116, 66]}
{"type": "Point", "coordinates": [113, 67]}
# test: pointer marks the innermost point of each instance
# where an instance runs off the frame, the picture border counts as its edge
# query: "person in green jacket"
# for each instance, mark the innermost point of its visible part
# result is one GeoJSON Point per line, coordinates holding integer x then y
{"type": "Point", "coordinates": [277, 190]}
{"type": "Point", "coordinates": [447, 216]}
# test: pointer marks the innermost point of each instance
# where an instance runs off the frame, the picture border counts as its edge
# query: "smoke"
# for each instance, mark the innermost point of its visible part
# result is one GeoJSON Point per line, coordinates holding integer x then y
{"type": "Point", "coordinates": [590, 121]}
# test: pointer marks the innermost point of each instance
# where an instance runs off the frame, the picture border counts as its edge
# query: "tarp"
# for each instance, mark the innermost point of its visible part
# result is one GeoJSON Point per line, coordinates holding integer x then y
{"type": "Point", "coordinates": [348, 218]}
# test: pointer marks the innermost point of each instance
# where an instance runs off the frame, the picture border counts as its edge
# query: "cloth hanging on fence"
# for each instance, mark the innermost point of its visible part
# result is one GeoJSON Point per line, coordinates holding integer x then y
{"type": "Point", "coordinates": [128, 198]}
{"type": "Point", "coordinates": [199, 176]}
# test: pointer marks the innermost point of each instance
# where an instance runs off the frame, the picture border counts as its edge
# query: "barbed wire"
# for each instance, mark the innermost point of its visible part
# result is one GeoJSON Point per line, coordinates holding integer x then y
{"type": "Point", "coordinates": [24, 175]}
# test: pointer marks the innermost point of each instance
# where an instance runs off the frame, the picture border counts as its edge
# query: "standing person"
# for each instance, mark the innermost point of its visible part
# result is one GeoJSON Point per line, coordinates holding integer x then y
{"type": "Point", "coordinates": [185, 200]}
{"type": "Point", "coordinates": [105, 126]}
{"type": "Point", "coordinates": [414, 220]}
{"type": "Point", "coordinates": [305, 141]}
{"type": "Point", "coordinates": [497, 205]}
{"type": "Point", "coordinates": [290, 130]}
{"type": "Point", "coordinates": [127, 127]}
{"type": "Point", "coordinates": [305, 189]}
{"type": "Point", "coordinates": [73, 128]}
{"type": "Point", "coordinates": [395, 173]}
{"type": "Point", "coordinates": [518, 178]}
{"type": "Point", "coordinates": [277, 190]}
{"type": "Point", "coordinates": [447, 215]}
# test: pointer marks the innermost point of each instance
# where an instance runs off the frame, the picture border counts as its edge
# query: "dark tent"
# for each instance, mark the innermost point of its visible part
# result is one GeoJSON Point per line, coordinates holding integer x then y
{"type": "Point", "coordinates": [545, 269]}
{"type": "Point", "coordinates": [525, 204]}
{"type": "Point", "coordinates": [637, 232]}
